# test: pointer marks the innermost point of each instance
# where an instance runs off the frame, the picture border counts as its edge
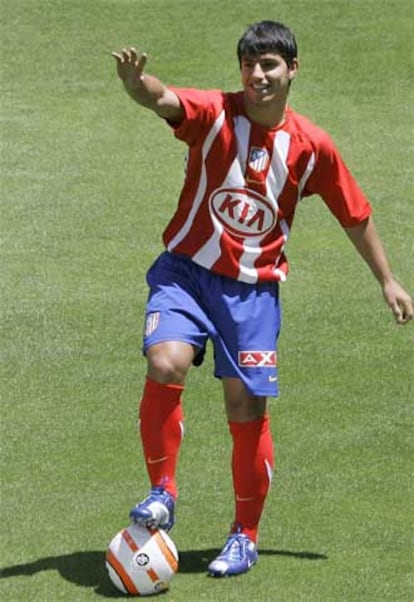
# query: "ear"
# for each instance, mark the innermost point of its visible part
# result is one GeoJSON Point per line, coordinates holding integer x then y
{"type": "Point", "coordinates": [293, 69]}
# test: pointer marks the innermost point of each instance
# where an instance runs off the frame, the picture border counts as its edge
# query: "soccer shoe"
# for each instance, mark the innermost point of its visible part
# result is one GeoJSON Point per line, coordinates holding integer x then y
{"type": "Point", "coordinates": [238, 556]}
{"type": "Point", "coordinates": [156, 511]}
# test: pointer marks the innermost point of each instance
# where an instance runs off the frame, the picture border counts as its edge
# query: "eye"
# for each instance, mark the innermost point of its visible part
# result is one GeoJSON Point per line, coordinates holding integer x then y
{"type": "Point", "coordinates": [268, 65]}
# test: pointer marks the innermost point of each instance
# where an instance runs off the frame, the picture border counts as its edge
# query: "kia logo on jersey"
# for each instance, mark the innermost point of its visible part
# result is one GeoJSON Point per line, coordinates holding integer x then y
{"type": "Point", "coordinates": [257, 359]}
{"type": "Point", "coordinates": [243, 212]}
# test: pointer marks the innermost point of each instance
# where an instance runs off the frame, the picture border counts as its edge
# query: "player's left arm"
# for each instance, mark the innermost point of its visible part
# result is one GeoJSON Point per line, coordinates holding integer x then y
{"type": "Point", "coordinates": [366, 240]}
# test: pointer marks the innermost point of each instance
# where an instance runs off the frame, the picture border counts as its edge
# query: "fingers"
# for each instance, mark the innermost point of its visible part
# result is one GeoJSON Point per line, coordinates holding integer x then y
{"type": "Point", "coordinates": [130, 56]}
{"type": "Point", "coordinates": [142, 61]}
{"type": "Point", "coordinates": [399, 301]}
{"type": "Point", "coordinates": [403, 311]}
{"type": "Point", "coordinates": [398, 315]}
{"type": "Point", "coordinates": [406, 314]}
{"type": "Point", "coordinates": [124, 56]}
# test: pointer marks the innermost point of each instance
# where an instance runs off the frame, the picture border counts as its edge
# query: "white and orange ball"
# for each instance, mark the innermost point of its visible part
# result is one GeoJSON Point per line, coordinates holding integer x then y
{"type": "Point", "coordinates": [141, 561]}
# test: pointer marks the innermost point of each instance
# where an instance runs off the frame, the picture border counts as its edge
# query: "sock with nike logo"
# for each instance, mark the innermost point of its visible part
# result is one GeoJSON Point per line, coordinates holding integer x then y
{"type": "Point", "coordinates": [252, 467]}
{"type": "Point", "coordinates": [161, 429]}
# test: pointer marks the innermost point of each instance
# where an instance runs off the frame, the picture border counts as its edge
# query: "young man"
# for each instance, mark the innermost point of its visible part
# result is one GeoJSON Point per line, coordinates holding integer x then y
{"type": "Point", "coordinates": [251, 159]}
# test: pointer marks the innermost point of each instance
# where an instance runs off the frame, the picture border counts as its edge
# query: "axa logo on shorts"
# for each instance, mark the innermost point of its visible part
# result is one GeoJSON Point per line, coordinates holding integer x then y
{"type": "Point", "coordinates": [257, 359]}
{"type": "Point", "coordinates": [243, 212]}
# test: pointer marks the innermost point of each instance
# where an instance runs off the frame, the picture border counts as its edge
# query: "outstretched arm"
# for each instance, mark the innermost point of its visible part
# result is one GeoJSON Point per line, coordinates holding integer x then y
{"type": "Point", "coordinates": [366, 240]}
{"type": "Point", "coordinates": [146, 90]}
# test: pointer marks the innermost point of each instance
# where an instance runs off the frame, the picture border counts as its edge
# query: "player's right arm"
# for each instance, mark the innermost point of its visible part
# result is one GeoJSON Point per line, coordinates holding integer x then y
{"type": "Point", "coordinates": [147, 90]}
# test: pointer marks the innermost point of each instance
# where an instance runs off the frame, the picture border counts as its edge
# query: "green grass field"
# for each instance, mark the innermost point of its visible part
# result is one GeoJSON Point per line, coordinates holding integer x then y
{"type": "Point", "coordinates": [88, 183]}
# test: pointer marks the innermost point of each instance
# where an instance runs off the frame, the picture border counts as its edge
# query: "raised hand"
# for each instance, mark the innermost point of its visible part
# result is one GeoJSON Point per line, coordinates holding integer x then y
{"type": "Point", "coordinates": [147, 90]}
{"type": "Point", "coordinates": [130, 66]}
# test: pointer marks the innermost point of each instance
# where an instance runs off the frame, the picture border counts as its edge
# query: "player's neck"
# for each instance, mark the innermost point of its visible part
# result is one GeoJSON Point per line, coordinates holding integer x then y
{"type": "Point", "coordinates": [270, 116]}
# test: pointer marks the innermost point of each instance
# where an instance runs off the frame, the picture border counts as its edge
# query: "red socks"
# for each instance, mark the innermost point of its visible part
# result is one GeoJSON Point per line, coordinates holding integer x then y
{"type": "Point", "coordinates": [252, 466]}
{"type": "Point", "coordinates": [161, 428]}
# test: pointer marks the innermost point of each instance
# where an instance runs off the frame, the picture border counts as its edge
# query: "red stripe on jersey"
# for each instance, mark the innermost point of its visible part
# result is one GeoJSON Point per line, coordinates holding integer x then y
{"type": "Point", "coordinates": [209, 178]}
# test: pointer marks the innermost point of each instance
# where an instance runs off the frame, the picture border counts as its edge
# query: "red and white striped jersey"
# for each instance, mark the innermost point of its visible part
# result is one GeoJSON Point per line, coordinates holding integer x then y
{"type": "Point", "coordinates": [243, 183]}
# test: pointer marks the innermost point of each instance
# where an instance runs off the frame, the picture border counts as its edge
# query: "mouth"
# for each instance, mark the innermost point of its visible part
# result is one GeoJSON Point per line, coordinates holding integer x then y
{"type": "Point", "coordinates": [260, 92]}
{"type": "Point", "coordinates": [261, 89]}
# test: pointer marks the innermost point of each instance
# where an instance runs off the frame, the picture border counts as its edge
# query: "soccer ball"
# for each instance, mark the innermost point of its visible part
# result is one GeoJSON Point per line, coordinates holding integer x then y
{"type": "Point", "coordinates": [141, 561]}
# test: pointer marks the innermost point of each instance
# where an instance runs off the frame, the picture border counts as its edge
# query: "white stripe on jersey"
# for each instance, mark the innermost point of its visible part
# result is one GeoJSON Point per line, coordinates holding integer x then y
{"type": "Point", "coordinates": [306, 175]}
{"type": "Point", "coordinates": [242, 129]}
{"type": "Point", "coordinates": [285, 231]}
{"type": "Point", "coordinates": [253, 250]}
{"type": "Point", "coordinates": [211, 251]}
{"type": "Point", "coordinates": [281, 274]}
{"type": "Point", "coordinates": [278, 172]}
{"type": "Point", "coordinates": [247, 259]}
{"type": "Point", "coordinates": [213, 133]}
{"type": "Point", "coordinates": [275, 182]}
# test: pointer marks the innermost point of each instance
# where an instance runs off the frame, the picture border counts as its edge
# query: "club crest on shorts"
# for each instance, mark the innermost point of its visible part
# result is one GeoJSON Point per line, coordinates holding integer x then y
{"type": "Point", "coordinates": [257, 359]}
{"type": "Point", "coordinates": [151, 323]}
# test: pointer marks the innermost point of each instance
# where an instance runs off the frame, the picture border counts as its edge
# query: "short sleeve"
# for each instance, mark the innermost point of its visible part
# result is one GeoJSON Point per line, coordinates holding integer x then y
{"type": "Point", "coordinates": [332, 180]}
{"type": "Point", "coordinates": [201, 108]}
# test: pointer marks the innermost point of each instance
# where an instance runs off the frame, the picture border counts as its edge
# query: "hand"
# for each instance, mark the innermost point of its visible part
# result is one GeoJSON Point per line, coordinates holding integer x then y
{"type": "Point", "coordinates": [147, 90]}
{"type": "Point", "coordinates": [399, 301]}
{"type": "Point", "coordinates": [130, 66]}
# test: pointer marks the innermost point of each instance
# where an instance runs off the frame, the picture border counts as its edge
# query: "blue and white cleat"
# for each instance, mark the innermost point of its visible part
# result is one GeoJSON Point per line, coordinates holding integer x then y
{"type": "Point", "coordinates": [238, 556]}
{"type": "Point", "coordinates": [156, 511]}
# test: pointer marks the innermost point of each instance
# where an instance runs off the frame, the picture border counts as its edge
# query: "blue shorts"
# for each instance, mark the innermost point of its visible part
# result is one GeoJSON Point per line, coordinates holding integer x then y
{"type": "Point", "coordinates": [188, 303]}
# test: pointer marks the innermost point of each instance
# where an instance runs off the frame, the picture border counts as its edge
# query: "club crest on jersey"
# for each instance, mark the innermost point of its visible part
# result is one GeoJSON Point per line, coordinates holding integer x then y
{"type": "Point", "coordinates": [257, 359]}
{"type": "Point", "coordinates": [258, 158]}
{"type": "Point", "coordinates": [243, 212]}
{"type": "Point", "coordinates": [151, 323]}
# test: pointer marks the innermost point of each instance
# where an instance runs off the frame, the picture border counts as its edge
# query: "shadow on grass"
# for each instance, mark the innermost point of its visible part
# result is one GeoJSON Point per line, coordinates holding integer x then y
{"type": "Point", "coordinates": [87, 569]}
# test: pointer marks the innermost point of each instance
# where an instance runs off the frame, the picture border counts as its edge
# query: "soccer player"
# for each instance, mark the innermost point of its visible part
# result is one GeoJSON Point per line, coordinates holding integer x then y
{"type": "Point", "coordinates": [251, 158]}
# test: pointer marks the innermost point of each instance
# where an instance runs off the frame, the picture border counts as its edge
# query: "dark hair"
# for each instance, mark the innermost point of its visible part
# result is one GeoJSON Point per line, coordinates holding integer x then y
{"type": "Point", "coordinates": [268, 36]}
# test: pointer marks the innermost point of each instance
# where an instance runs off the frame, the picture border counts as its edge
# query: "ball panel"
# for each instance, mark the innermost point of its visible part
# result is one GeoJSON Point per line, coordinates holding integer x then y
{"type": "Point", "coordinates": [141, 561]}
{"type": "Point", "coordinates": [129, 540]}
{"type": "Point", "coordinates": [168, 549]}
{"type": "Point", "coordinates": [119, 575]}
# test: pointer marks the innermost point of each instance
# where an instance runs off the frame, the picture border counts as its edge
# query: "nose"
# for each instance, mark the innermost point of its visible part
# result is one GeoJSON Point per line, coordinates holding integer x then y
{"type": "Point", "coordinates": [257, 71]}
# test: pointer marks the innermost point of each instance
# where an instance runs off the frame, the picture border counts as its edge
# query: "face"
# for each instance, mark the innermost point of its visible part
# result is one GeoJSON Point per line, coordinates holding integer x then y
{"type": "Point", "coordinates": [266, 78]}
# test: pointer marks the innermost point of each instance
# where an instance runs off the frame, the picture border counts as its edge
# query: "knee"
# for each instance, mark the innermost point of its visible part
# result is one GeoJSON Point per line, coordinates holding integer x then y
{"type": "Point", "coordinates": [165, 371]}
{"type": "Point", "coordinates": [168, 364]}
{"type": "Point", "coordinates": [245, 410]}
{"type": "Point", "coordinates": [241, 405]}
